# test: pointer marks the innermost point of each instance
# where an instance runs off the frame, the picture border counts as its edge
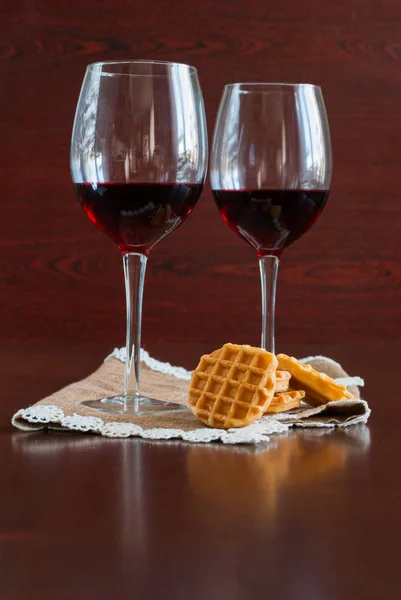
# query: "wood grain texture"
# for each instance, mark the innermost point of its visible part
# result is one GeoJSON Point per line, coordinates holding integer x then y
{"type": "Point", "coordinates": [61, 278]}
{"type": "Point", "coordinates": [88, 517]}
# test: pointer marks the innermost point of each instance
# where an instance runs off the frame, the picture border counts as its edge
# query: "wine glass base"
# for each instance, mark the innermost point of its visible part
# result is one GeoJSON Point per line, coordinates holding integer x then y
{"type": "Point", "coordinates": [133, 405]}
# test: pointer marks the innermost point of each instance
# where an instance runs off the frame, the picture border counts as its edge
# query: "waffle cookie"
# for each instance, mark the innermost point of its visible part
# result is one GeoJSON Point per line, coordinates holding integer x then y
{"type": "Point", "coordinates": [319, 387]}
{"type": "Point", "coordinates": [282, 381]}
{"type": "Point", "coordinates": [285, 401]}
{"type": "Point", "coordinates": [233, 386]}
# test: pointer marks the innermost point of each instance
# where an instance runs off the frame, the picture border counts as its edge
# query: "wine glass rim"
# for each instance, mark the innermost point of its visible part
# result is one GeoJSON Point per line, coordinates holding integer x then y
{"type": "Point", "coordinates": [260, 84]}
{"type": "Point", "coordinates": [140, 62]}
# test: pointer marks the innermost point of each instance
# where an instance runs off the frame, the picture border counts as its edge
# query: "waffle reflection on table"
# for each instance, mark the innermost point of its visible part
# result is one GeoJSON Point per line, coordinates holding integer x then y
{"type": "Point", "coordinates": [220, 475]}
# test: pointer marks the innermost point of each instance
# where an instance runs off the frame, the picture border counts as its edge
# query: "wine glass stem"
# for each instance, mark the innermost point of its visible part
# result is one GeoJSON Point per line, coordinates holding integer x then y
{"type": "Point", "coordinates": [268, 275]}
{"type": "Point", "coordinates": [134, 275]}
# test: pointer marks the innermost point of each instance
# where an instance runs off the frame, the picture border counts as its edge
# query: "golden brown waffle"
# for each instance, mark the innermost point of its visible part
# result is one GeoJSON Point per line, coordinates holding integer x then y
{"type": "Point", "coordinates": [285, 401]}
{"type": "Point", "coordinates": [233, 386]}
{"type": "Point", "coordinates": [319, 387]}
{"type": "Point", "coordinates": [282, 381]}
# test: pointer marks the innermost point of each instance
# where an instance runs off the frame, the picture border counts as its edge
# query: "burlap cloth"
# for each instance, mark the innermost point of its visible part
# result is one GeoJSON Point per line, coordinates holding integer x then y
{"type": "Point", "coordinates": [62, 410]}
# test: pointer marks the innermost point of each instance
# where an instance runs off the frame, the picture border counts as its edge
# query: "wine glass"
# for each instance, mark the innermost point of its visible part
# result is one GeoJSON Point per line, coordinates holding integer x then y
{"type": "Point", "coordinates": [138, 164]}
{"type": "Point", "coordinates": [270, 172]}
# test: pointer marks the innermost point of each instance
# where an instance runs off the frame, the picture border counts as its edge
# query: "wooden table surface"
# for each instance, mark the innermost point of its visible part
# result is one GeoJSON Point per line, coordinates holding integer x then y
{"type": "Point", "coordinates": [313, 515]}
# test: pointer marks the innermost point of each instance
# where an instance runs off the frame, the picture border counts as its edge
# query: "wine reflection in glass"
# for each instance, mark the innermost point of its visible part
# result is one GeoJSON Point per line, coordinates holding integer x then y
{"type": "Point", "coordinates": [138, 164]}
{"type": "Point", "coordinates": [271, 169]}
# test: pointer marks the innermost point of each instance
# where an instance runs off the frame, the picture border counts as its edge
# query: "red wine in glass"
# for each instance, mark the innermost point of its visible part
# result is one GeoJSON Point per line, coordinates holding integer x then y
{"type": "Point", "coordinates": [138, 164]}
{"type": "Point", "coordinates": [270, 220]}
{"type": "Point", "coordinates": [271, 168]}
{"type": "Point", "coordinates": [137, 215]}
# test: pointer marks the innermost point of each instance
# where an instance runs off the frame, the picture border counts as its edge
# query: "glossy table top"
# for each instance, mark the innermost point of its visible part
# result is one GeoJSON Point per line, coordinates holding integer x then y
{"type": "Point", "coordinates": [313, 515]}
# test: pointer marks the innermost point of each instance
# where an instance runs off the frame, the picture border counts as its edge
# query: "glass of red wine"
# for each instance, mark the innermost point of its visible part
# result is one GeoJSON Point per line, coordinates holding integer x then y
{"type": "Point", "coordinates": [271, 169]}
{"type": "Point", "coordinates": [138, 164]}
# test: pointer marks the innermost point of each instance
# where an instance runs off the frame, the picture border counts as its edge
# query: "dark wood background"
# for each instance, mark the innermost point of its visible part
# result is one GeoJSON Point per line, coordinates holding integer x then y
{"type": "Point", "coordinates": [61, 279]}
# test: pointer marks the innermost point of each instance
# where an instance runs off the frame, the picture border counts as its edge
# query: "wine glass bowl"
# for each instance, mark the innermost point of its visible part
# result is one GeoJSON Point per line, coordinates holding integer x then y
{"type": "Point", "coordinates": [136, 216]}
{"type": "Point", "coordinates": [271, 169]}
{"type": "Point", "coordinates": [138, 164]}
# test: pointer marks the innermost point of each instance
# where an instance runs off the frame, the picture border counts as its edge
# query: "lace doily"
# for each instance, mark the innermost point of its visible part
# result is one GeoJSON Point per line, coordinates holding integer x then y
{"type": "Point", "coordinates": [51, 415]}
{"type": "Point", "coordinates": [152, 363]}
{"type": "Point", "coordinates": [35, 417]}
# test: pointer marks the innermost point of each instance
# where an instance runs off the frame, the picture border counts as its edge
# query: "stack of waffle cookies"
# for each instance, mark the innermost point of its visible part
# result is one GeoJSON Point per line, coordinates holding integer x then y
{"type": "Point", "coordinates": [236, 385]}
